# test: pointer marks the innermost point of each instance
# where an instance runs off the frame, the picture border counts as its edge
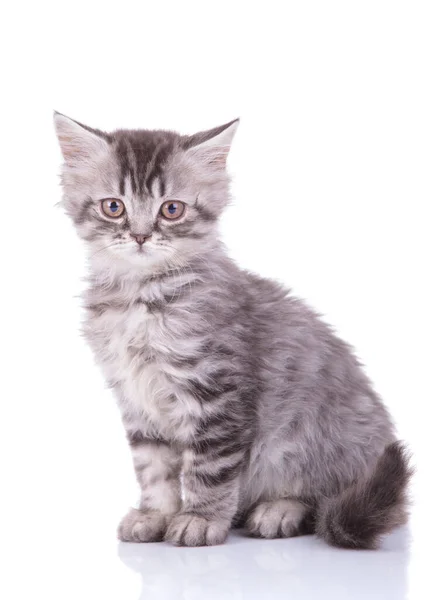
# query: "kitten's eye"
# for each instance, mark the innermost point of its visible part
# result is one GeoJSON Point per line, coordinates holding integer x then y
{"type": "Point", "coordinates": [112, 207]}
{"type": "Point", "coordinates": [172, 210]}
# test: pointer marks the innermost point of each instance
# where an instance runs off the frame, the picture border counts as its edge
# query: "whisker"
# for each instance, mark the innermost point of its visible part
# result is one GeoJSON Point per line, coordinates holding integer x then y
{"type": "Point", "coordinates": [103, 248]}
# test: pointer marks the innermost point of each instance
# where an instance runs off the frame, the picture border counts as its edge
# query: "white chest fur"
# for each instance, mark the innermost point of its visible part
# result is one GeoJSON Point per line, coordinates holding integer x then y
{"type": "Point", "coordinates": [136, 348]}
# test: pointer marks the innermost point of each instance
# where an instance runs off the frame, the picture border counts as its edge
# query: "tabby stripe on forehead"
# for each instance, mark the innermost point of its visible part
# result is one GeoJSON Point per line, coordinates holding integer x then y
{"type": "Point", "coordinates": [141, 154]}
{"type": "Point", "coordinates": [142, 158]}
{"type": "Point", "coordinates": [132, 158]}
{"type": "Point", "coordinates": [127, 169]}
{"type": "Point", "coordinates": [123, 164]}
{"type": "Point", "coordinates": [156, 171]}
{"type": "Point", "coordinates": [161, 185]}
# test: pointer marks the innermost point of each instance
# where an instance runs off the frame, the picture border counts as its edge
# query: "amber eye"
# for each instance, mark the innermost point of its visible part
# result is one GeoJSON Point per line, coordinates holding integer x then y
{"type": "Point", "coordinates": [172, 210]}
{"type": "Point", "coordinates": [112, 207]}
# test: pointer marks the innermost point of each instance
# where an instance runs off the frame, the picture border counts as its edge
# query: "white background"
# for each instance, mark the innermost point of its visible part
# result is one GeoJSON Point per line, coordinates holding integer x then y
{"type": "Point", "coordinates": [330, 169]}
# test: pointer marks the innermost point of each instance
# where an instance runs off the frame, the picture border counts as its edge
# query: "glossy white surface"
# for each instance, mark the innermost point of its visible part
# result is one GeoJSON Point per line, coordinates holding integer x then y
{"type": "Point", "coordinates": [301, 568]}
{"type": "Point", "coordinates": [76, 556]}
{"type": "Point", "coordinates": [243, 569]}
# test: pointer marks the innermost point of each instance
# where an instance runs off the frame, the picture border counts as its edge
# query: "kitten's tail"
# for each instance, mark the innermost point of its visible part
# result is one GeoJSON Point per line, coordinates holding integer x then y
{"type": "Point", "coordinates": [360, 515]}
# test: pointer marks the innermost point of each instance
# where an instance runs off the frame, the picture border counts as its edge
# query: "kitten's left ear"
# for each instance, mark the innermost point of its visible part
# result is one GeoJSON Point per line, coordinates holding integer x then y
{"type": "Point", "coordinates": [79, 143]}
{"type": "Point", "coordinates": [213, 146]}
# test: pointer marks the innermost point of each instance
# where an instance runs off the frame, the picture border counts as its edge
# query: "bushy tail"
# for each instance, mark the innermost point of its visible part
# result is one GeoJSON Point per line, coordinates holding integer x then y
{"type": "Point", "coordinates": [360, 515]}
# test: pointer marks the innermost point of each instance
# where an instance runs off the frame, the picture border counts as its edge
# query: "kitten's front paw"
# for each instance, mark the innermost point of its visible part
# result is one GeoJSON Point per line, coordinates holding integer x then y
{"type": "Point", "coordinates": [192, 530]}
{"type": "Point", "coordinates": [139, 526]}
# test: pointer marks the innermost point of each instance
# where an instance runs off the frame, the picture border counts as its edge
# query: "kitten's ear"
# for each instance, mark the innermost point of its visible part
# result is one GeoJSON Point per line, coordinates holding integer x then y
{"type": "Point", "coordinates": [213, 146]}
{"type": "Point", "coordinates": [79, 143]}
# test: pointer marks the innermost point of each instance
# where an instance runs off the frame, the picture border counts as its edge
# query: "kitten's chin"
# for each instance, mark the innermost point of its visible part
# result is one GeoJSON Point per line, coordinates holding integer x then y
{"type": "Point", "coordinates": [130, 260]}
{"type": "Point", "coordinates": [145, 256]}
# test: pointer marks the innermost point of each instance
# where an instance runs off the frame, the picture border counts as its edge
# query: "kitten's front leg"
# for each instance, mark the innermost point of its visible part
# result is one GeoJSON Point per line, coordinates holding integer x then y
{"type": "Point", "coordinates": [211, 471]}
{"type": "Point", "coordinates": [157, 468]}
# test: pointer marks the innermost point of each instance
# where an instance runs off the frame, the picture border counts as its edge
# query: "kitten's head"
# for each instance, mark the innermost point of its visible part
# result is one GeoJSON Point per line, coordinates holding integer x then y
{"type": "Point", "coordinates": [144, 200]}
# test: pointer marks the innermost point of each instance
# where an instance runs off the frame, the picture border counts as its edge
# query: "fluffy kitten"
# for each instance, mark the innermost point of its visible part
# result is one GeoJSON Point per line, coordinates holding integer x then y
{"type": "Point", "coordinates": [241, 407]}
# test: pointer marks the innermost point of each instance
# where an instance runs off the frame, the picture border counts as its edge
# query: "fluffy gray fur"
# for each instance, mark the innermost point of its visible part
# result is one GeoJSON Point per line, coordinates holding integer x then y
{"type": "Point", "coordinates": [240, 405]}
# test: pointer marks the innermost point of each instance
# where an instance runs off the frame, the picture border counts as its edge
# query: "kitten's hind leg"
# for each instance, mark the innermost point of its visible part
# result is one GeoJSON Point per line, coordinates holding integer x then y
{"type": "Point", "coordinates": [280, 518]}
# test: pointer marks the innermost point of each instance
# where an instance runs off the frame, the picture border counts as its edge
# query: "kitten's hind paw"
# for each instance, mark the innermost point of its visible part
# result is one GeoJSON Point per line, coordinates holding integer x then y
{"type": "Point", "coordinates": [140, 526]}
{"type": "Point", "coordinates": [192, 530]}
{"type": "Point", "coordinates": [279, 518]}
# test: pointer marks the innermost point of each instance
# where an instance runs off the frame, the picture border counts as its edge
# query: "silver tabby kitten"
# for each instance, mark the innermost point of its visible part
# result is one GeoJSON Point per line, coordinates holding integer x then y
{"type": "Point", "coordinates": [241, 407]}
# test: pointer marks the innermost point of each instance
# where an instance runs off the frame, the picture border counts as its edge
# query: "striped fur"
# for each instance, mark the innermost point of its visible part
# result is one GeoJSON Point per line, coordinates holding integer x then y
{"type": "Point", "coordinates": [240, 405]}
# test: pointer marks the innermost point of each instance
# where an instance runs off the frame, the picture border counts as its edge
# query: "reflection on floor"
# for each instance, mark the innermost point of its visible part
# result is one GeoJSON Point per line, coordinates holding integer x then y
{"type": "Point", "coordinates": [245, 569]}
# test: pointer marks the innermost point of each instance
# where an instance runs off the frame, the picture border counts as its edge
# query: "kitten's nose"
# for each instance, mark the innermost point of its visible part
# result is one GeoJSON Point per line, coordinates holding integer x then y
{"type": "Point", "coordinates": [139, 237]}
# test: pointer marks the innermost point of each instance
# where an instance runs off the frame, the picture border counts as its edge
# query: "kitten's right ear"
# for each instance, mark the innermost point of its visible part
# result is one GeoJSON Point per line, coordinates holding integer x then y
{"type": "Point", "coordinates": [79, 143]}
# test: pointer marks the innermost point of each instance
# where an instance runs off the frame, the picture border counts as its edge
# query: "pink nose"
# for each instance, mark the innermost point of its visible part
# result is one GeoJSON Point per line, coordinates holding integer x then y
{"type": "Point", "coordinates": [140, 239]}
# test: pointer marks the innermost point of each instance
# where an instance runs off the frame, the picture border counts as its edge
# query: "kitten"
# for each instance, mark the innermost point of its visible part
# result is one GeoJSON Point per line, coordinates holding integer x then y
{"type": "Point", "coordinates": [241, 407]}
